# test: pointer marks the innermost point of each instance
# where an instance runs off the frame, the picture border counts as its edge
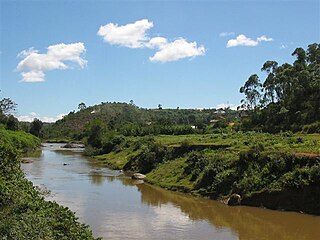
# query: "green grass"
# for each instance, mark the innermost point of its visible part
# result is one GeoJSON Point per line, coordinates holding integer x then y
{"type": "Point", "coordinates": [116, 160]}
{"type": "Point", "coordinates": [235, 142]}
{"type": "Point", "coordinates": [22, 141]}
{"type": "Point", "coordinates": [243, 141]}
{"type": "Point", "coordinates": [170, 175]}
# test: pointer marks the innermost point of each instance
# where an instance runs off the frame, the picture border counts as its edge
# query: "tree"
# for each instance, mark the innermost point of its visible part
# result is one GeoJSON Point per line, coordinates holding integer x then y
{"type": "Point", "coordinates": [291, 96]}
{"type": "Point", "coordinates": [82, 106]}
{"type": "Point", "coordinates": [36, 127]}
{"type": "Point", "coordinates": [270, 83]}
{"type": "Point", "coordinates": [7, 106]}
{"type": "Point", "coordinates": [95, 131]}
{"type": "Point", "coordinates": [313, 53]}
{"type": "Point", "coordinates": [159, 106]}
{"type": "Point", "coordinates": [12, 123]}
{"type": "Point", "coordinates": [252, 90]}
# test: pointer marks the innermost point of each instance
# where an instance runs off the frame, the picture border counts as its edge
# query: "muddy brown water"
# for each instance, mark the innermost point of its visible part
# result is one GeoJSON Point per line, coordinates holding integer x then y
{"type": "Point", "coordinates": [117, 207]}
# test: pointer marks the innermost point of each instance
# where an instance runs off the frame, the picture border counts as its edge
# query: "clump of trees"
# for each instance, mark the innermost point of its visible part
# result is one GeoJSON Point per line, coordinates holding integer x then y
{"type": "Point", "coordinates": [289, 96]}
{"type": "Point", "coordinates": [7, 107]}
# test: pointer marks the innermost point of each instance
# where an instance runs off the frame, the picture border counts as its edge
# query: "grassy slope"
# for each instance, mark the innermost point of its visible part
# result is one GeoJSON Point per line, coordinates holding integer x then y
{"type": "Point", "coordinates": [22, 141]}
{"type": "Point", "coordinates": [24, 214]}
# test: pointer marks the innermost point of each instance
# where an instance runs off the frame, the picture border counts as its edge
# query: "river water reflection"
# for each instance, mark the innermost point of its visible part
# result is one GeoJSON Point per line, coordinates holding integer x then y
{"type": "Point", "coordinates": [117, 207]}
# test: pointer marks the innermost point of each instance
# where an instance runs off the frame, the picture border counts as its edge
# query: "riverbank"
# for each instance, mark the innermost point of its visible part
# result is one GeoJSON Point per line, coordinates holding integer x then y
{"type": "Point", "coordinates": [266, 170]}
{"type": "Point", "coordinates": [24, 214]}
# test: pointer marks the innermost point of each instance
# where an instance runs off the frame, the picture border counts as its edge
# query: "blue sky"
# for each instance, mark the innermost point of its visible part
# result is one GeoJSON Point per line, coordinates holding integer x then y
{"type": "Point", "coordinates": [187, 54]}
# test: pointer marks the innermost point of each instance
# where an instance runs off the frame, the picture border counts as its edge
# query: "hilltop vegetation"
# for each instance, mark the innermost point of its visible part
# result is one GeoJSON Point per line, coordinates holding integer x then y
{"type": "Point", "coordinates": [130, 120]}
{"type": "Point", "coordinates": [288, 98]}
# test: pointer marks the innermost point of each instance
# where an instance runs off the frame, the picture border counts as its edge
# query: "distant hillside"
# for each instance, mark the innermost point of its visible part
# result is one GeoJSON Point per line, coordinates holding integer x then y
{"type": "Point", "coordinates": [119, 115]}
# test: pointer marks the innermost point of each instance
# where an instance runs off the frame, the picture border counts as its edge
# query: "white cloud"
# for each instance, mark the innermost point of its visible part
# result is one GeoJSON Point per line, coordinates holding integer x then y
{"type": "Point", "coordinates": [33, 76]}
{"type": "Point", "coordinates": [225, 34]}
{"type": "Point", "coordinates": [25, 53]}
{"type": "Point", "coordinates": [156, 42]}
{"type": "Point", "coordinates": [176, 50]}
{"type": "Point", "coordinates": [59, 56]}
{"type": "Point", "coordinates": [283, 46]}
{"type": "Point", "coordinates": [31, 116]}
{"type": "Point", "coordinates": [242, 40]}
{"type": "Point", "coordinates": [264, 38]}
{"type": "Point", "coordinates": [227, 105]}
{"type": "Point", "coordinates": [132, 35]}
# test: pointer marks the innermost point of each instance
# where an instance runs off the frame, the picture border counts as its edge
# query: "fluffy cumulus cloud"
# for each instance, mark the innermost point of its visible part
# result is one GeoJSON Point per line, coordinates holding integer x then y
{"type": "Point", "coordinates": [60, 56]}
{"type": "Point", "coordinates": [176, 50]}
{"type": "Point", "coordinates": [242, 40]}
{"type": "Point", "coordinates": [31, 116]}
{"type": "Point", "coordinates": [134, 35]}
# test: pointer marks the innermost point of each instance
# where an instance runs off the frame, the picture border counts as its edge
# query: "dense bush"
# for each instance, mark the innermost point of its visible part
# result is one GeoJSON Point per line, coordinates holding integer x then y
{"type": "Point", "coordinates": [217, 177]}
{"type": "Point", "coordinates": [151, 154]}
{"type": "Point", "coordinates": [311, 128]}
{"type": "Point", "coordinates": [196, 162]}
{"type": "Point", "coordinates": [20, 140]}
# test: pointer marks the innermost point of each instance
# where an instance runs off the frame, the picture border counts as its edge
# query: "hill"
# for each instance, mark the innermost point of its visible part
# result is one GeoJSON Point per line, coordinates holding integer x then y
{"type": "Point", "coordinates": [131, 120]}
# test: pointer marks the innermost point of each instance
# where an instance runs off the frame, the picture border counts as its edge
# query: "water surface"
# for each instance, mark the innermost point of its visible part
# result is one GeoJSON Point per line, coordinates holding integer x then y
{"type": "Point", "coordinates": [117, 207]}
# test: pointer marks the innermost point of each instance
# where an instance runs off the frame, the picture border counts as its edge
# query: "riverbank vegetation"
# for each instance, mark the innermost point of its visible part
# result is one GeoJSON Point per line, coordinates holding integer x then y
{"type": "Point", "coordinates": [24, 214]}
{"type": "Point", "coordinates": [216, 166]}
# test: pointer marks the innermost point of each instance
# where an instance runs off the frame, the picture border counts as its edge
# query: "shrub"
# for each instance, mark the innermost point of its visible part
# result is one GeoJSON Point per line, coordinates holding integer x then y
{"type": "Point", "coordinates": [312, 128]}
{"type": "Point", "coordinates": [150, 156]}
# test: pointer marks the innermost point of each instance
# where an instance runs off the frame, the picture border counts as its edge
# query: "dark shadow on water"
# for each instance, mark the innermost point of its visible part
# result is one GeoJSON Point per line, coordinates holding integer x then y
{"type": "Point", "coordinates": [97, 178]}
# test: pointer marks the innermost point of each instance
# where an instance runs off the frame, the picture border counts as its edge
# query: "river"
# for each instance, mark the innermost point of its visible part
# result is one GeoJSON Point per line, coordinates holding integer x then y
{"type": "Point", "coordinates": [117, 207]}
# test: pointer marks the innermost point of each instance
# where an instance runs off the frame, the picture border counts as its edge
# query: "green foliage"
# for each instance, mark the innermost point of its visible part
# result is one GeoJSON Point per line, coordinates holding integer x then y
{"type": "Point", "coordinates": [151, 154]}
{"type": "Point", "coordinates": [7, 106]}
{"type": "Point", "coordinates": [217, 177]}
{"type": "Point", "coordinates": [23, 212]}
{"type": "Point", "coordinates": [312, 128]}
{"type": "Point", "coordinates": [130, 120]}
{"type": "Point", "coordinates": [196, 163]}
{"type": "Point", "coordinates": [288, 98]}
{"type": "Point", "coordinates": [23, 141]}
{"type": "Point", "coordinates": [35, 128]}
{"type": "Point", "coordinates": [95, 131]}
{"type": "Point", "coordinates": [12, 123]}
